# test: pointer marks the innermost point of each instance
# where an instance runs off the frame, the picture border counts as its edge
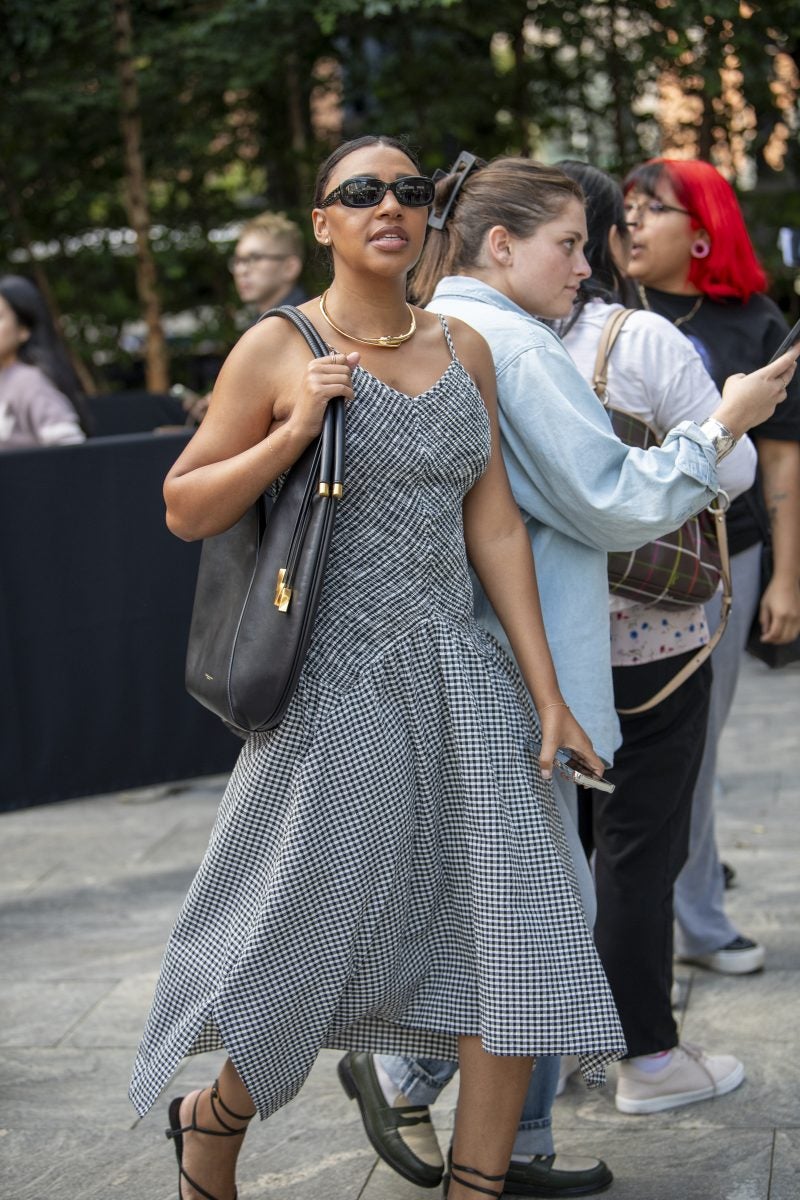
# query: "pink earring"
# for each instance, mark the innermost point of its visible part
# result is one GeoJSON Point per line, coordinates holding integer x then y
{"type": "Point", "coordinates": [700, 249]}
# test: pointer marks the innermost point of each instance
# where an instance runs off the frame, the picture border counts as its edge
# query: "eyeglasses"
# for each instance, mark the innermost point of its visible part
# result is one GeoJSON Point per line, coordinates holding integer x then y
{"type": "Point", "coordinates": [250, 260]}
{"type": "Point", "coordinates": [412, 191]}
{"type": "Point", "coordinates": [634, 209]}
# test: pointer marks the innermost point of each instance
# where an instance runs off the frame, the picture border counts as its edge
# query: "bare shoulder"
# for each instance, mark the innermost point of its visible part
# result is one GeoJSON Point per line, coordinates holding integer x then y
{"type": "Point", "coordinates": [473, 351]}
{"type": "Point", "coordinates": [470, 345]}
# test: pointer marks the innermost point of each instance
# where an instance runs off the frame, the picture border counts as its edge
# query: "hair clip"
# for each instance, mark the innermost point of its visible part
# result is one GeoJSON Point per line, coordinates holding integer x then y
{"type": "Point", "coordinates": [464, 165]}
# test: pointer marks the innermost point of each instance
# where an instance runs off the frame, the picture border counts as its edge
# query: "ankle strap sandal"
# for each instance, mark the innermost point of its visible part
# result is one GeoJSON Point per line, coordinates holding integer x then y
{"type": "Point", "coordinates": [474, 1187]}
{"type": "Point", "coordinates": [176, 1131]}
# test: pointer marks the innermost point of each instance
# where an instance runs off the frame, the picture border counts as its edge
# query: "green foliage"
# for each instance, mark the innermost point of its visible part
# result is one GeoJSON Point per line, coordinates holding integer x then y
{"type": "Point", "coordinates": [228, 92]}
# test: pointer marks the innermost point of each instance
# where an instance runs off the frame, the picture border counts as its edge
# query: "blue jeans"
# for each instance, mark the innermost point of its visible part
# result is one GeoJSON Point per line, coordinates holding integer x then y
{"type": "Point", "coordinates": [422, 1079]}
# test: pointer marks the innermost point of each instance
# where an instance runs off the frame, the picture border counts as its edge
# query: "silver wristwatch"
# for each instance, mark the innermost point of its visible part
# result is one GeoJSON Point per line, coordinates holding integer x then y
{"type": "Point", "coordinates": [721, 438]}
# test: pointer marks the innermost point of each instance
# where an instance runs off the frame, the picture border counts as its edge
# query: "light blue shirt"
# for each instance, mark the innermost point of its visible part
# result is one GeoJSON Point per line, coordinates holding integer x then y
{"type": "Point", "coordinates": [581, 491]}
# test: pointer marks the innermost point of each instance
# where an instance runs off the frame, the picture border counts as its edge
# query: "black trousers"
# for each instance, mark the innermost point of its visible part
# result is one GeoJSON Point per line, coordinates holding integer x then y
{"type": "Point", "coordinates": [641, 841]}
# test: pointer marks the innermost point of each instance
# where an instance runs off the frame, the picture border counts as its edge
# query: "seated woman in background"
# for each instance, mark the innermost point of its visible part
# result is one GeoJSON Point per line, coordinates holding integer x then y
{"type": "Point", "coordinates": [39, 397]}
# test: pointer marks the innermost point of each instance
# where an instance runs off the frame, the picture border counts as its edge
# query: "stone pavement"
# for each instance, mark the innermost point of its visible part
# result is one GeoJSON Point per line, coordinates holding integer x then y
{"type": "Point", "coordinates": [88, 891]}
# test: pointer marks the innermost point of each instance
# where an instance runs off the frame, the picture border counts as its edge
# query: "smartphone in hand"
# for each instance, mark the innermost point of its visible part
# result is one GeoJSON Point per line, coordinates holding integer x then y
{"type": "Point", "coordinates": [792, 336]}
{"type": "Point", "coordinates": [573, 769]}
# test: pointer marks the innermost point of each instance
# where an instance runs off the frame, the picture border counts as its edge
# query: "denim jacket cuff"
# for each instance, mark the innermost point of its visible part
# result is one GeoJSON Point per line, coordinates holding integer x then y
{"type": "Point", "coordinates": [696, 455]}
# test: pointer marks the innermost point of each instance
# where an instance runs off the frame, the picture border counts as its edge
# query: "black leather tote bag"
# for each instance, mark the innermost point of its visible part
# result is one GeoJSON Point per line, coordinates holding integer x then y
{"type": "Point", "coordinates": [259, 582]}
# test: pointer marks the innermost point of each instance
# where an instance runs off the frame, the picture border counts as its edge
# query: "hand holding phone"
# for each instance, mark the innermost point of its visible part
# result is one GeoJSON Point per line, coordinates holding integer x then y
{"type": "Point", "coordinates": [573, 769]}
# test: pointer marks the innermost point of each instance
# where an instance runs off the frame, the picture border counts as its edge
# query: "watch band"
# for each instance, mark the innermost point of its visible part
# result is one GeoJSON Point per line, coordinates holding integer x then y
{"type": "Point", "coordinates": [720, 437]}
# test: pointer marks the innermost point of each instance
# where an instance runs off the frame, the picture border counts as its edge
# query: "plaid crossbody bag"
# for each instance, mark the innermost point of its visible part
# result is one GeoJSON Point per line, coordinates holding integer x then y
{"type": "Point", "coordinates": [681, 569]}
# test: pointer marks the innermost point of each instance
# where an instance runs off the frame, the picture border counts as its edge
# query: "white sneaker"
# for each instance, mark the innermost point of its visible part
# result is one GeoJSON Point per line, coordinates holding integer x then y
{"type": "Point", "coordinates": [690, 1075]}
{"type": "Point", "coordinates": [742, 956]}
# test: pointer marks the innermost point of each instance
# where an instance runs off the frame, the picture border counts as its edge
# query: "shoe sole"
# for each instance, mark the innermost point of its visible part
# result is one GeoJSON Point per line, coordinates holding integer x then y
{"type": "Point", "coordinates": [351, 1088]}
{"type": "Point", "coordinates": [678, 1099]}
{"type": "Point", "coordinates": [515, 1191]}
{"type": "Point", "coordinates": [735, 962]}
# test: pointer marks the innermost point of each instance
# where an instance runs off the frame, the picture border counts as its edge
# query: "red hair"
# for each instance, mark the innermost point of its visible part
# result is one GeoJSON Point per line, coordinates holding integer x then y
{"type": "Point", "coordinates": [731, 269]}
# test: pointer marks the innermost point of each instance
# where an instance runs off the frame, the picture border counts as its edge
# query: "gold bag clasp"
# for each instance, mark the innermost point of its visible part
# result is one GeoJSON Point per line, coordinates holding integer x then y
{"type": "Point", "coordinates": [283, 594]}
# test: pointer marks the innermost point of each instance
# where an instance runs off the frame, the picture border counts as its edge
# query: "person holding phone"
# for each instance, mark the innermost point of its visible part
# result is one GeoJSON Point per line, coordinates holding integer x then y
{"type": "Point", "coordinates": [693, 262]}
{"type": "Point", "coordinates": [507, 247]}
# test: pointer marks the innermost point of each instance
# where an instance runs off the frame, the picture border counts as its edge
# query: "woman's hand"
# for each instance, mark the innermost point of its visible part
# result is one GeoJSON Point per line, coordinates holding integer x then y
{"type": "Point", "coordinates": [747, 400]}
{"type": "Point", "coordinates": [324, 379]}
{"type": "Point", "coordinates": [560, 729]}
{"type": "Point", "coordinates": [779, 613]}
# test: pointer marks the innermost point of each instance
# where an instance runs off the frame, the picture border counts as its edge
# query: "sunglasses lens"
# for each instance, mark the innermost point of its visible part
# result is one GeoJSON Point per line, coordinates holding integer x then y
{"type": "Point", "coordinates": [362, 193]}
{"type": "Point", "coordinates": [415, 192]}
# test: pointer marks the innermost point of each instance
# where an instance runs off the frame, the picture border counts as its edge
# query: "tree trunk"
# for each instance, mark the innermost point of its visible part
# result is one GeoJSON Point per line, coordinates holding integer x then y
{"type": "Point", "coordinates": [299, 141]}
{"type": "Point", "coordinates": [519, 102]}
{"type": "Point", "coordinates": [135, 198]}
{"type": "Point", "coordinates": [620, 98]}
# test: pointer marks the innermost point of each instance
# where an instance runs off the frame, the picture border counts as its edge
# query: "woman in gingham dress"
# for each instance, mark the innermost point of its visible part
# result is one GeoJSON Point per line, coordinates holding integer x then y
{"type": "Point", "coordinates": [387, 870]}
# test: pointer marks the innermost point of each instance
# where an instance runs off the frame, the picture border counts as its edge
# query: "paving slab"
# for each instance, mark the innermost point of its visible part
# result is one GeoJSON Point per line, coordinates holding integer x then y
{"type": "Point", "coordinates": [89, 890]}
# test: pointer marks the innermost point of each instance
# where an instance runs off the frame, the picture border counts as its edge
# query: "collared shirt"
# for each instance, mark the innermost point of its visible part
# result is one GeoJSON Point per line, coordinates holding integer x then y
{"type": "Point", "coordinates": [580, 490]}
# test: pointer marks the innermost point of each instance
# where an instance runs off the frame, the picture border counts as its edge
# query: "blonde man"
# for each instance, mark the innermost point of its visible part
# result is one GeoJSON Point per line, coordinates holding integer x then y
{"type": "Point", "coordinates": [268, 261]}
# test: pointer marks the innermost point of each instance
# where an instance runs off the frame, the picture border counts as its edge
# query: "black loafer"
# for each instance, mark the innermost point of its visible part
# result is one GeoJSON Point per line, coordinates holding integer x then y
{"type": "Point", "coordinates": [557, 1175]}
{"type": "Point", "coordinates": [395, 1130]}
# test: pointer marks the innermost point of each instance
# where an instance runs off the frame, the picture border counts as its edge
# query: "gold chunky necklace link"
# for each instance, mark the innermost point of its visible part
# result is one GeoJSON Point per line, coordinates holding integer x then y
{"type": "Point", "coordinates": [390, 342]}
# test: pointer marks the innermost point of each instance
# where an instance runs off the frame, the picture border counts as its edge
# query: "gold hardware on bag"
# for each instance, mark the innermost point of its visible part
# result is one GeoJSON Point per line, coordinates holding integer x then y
{"type": "Point", "coordinates": [338, 491]}
{"type": "Point", "coordinates": [324, 489]}
{"type": "Point", "coordinates": [282, 594]}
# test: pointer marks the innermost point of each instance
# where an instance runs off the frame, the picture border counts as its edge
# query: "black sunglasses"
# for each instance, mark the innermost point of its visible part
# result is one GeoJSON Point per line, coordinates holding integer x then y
{"type": "Point", "coordinates": [412, 191]}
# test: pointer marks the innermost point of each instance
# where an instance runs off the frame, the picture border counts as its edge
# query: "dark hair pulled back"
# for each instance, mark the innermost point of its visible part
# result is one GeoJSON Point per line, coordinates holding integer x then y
{"type": "Point", "coordinates": [517, 193]}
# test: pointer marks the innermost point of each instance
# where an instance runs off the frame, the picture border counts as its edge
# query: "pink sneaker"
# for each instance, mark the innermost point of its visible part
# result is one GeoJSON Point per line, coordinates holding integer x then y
{"type": "Point", "coordinates": [690, 1075]}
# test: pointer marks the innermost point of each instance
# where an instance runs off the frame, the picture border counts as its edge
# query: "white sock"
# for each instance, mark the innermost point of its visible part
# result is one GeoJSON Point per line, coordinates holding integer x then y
{"type": "Point", "coordinates": [651, 1063]}
{"type": "Point", "coordinates": [390, 1090]}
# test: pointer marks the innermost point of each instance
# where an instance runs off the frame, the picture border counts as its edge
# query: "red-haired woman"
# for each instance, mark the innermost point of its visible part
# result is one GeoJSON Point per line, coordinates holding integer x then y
{"type": "Point", "coordinates": [693, 262]}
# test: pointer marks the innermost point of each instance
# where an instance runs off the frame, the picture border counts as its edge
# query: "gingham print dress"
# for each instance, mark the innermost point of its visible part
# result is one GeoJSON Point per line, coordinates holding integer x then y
{"type": "Point", "coordinates": [387, 869]}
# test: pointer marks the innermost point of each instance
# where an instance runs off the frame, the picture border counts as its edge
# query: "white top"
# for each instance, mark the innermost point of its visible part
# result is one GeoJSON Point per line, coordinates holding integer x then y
{"type": "Point", "coordinates": [33, 412]}
{"type": "Point", "coordinates": [655, 373]}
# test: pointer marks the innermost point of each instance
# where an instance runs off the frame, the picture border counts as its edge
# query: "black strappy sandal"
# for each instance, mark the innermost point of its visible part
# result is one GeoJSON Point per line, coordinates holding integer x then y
{"type": "Point", "coordinates": [473, 1187]}
{"type": "Point", "coordinates": [176, 1131]}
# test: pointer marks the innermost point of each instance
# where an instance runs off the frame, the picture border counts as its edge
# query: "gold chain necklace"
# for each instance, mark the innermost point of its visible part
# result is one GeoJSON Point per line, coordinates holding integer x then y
{"type": "Point", "coordinates": [390, 342]}
{"type": "Point", "coordinates": [678, 320]}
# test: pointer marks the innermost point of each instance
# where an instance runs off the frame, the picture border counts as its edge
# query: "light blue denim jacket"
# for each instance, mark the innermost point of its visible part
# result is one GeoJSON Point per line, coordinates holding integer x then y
{"type": "Point", "coordinates": [581, 491]}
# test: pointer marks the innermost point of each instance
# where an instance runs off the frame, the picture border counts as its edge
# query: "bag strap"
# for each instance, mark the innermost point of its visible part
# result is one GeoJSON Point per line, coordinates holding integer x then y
{"type": "Point", "coordinates": [331, 478]}
{"type": "Point", "coordinates": [704, 652]}
{"type": "Point", "coordinates": [611, 331]}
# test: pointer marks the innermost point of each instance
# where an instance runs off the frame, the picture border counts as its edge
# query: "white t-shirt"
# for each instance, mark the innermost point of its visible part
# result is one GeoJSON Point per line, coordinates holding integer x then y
{"type": "Point", "coordinates": [656, 374]}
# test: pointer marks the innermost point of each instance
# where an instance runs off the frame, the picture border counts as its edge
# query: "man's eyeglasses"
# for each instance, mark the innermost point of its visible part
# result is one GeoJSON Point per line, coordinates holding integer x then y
{"type": "Point", "coordinates": [635, 208]}
{"type": "Point", "coordinates": [250, 260]}
{"type": "Point", "coordinates": [412, 191]}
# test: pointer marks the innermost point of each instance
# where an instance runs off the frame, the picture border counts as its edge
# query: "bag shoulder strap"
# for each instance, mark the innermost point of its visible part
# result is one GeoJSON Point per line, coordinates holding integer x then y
{"type": "Point", "coordinates": [303, 326]}
{"type": "Point", "coordinates": [611, 331]}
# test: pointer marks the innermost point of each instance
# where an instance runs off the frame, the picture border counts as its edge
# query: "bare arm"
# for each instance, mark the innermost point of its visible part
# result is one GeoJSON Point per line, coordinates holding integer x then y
{"type": "Point", "coordinates": [779, 614]}
{"type": "Point", "coordinates": [500, 553]}
{"type": "Point", "coordinates": [267, 406]}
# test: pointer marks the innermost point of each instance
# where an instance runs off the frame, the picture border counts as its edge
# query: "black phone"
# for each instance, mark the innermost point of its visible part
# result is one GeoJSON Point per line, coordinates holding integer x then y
{"type": "Point", "coordinates": [574, 770]}
{"type": "Point", "coordinates": [787, 343]}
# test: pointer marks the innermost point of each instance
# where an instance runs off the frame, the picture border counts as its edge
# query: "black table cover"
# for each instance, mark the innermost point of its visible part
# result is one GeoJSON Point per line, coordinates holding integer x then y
{"type": "Point", "coordinates": [95, 602]}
